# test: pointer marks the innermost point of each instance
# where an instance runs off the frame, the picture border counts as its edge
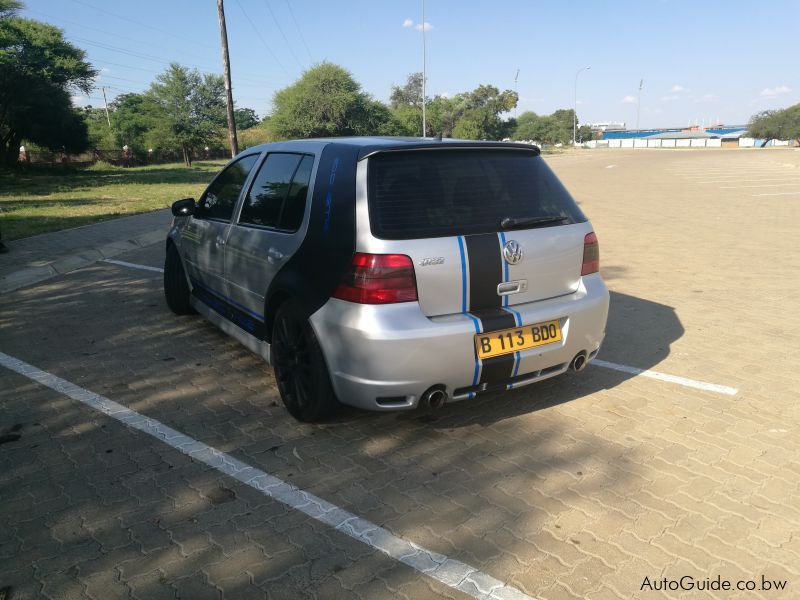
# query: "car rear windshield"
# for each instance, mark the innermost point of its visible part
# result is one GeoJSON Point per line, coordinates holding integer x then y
{"type": "Point", "coordinates": [437, 193]}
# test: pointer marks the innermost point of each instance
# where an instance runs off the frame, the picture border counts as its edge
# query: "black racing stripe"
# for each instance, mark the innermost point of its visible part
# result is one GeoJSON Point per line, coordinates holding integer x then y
{"type": "Point", "coordinates": [493, 320]}
{"type": "Point", "coordinates": [485, 271]}
{"type": "Point", "coordinates": [497, 368]}
{"type": "Point", "coordinates": [485, 274]}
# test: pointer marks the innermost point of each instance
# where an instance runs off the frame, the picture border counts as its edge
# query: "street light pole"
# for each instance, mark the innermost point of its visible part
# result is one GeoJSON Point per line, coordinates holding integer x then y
{"type": "Point", "coordinates": [424, 74]}
{"type": "Point", "coordinates": [575, 108]}
{"type": "Point", "coordinates": [639, 103]}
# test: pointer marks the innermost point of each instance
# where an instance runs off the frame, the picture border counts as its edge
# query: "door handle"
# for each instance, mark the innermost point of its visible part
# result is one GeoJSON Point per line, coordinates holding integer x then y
{"type": "Point", "coordinates": [274, 255]}
{"type": "Point", "coordinates": [219, 241]}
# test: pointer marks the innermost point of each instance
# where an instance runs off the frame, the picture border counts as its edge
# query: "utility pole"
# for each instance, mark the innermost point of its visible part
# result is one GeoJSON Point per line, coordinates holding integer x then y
{"type": "Point", "coordinates": [106, 103]}
{"type": "Point", "coordinates": [424, 72]}
{"type": "Point", "coordinates": [639, 103]}
{"type": "Point", "coordinates": [223, 33]}
{"type": "Point", "coordinates": [516, 91]}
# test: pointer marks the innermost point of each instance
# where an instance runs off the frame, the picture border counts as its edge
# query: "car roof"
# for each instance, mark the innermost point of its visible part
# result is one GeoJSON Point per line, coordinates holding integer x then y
{"type": "Point", "coordinates": [369, 145]}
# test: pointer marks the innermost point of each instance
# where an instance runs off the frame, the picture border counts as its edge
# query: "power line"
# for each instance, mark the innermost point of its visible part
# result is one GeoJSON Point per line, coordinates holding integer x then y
{"type": "Point", "coordinates": [260, 37]}
{"type": "Point", "coordinates": [112, 48]}
{"type": "Point", "coordinates": [299, 31]}
{"type": "Point", "coordinates": [105, 31]}
{"type": "Point", "coordinates": [247, 82]}
{"type": "Point", "coordinates": [140, 55]}
{"type": "Point", "coordinates": [280, 29]}
{"type": "Point", "coordinates": [129, 52]}
{"type": "Point", "coordinates": [140, 23]}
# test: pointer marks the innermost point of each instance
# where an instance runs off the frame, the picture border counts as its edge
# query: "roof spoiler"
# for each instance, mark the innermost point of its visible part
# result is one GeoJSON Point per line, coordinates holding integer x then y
{"type": "Point", "coordinates": [368, 151]}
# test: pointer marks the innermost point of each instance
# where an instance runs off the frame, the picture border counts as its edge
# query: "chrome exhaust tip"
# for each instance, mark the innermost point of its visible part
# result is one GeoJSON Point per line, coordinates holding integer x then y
{"type": "Point", "coordinates": [434, 398]}
{"type": "Point", "coordinates": [579, 362]}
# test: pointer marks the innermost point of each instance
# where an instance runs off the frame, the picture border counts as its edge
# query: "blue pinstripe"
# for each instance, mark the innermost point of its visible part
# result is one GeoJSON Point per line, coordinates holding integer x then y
{"type": "Point", "coordinates": [475, 321]}
{"type": "Point", "coordinates": [517, 317]}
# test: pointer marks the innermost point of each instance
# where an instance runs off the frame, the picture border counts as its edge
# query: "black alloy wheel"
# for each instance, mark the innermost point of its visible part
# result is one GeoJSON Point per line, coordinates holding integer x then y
{"type": "Point", "coordinates": [300, 369]}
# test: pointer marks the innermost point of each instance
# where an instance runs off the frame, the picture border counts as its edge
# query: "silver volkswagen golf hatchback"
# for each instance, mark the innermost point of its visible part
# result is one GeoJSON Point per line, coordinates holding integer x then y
{"type": "Point", "coordinates": [391, 273]}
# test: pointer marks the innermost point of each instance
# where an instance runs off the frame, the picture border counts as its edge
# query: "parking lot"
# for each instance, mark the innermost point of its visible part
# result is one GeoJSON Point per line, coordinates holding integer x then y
{"type": "Point", "coordinates": [677, 456]}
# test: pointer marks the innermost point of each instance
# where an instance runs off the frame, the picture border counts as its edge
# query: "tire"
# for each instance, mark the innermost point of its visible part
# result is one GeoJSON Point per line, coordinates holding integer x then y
{"type": "Point", "coordinates": [300, 370]}
{"type": "Point", "coordinates": [176, 289]}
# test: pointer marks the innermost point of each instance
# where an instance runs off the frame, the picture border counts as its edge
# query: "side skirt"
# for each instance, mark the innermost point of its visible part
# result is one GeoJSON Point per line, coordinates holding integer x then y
{"type": "Point", "coordinates": [249, 341]}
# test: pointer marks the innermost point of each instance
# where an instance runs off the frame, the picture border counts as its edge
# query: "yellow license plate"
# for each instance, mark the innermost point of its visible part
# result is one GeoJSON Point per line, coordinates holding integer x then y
{"type": "Point", "coordinates": [506, 341]}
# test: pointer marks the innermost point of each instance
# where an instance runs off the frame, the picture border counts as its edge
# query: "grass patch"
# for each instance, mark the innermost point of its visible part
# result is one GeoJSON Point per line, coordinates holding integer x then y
{"type": "Point", "coordinates": [34, 201]}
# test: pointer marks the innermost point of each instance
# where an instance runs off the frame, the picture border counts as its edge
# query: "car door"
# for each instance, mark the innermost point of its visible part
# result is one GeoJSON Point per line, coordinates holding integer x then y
{"type": "Point", "coordinates": [203, 239]}
{"type": "Point", "coordinates": [269, 228]}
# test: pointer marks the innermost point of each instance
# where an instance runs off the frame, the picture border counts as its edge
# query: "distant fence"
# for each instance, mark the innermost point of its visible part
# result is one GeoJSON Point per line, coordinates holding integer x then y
{"type": "Point", "coordinates": [684, 143]}
{"type": "Point", "coordinates": [117, 157]}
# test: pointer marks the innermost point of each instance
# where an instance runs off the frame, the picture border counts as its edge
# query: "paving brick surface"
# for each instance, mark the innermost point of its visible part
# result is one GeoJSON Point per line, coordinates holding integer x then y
{"type": "Point", "coordinates": [578, 487]}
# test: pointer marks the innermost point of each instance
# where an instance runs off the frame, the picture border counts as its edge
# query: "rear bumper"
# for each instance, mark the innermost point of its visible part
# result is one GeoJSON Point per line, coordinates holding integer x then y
{"type": "Point", "coordinates": [384, 357]}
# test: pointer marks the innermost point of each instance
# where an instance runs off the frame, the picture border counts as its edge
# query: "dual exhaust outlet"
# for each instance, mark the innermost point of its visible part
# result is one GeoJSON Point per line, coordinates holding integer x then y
{"type": "Point", "coordinates": [436, 396]}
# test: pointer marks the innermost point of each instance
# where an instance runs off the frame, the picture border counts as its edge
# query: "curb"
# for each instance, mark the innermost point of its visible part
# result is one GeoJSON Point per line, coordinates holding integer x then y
{"type": "Point", "coordinates": [82, 258]}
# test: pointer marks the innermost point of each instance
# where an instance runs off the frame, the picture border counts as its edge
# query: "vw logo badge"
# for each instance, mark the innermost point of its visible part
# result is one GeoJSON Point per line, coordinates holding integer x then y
{"type": "Point", "coordinates": [512, 252]}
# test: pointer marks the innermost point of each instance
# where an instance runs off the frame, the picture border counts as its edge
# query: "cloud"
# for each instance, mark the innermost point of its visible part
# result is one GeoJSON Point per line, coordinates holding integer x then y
{"type": "Point", "coordinates": [706, 98]}
{"type": "Point", "coordinates": [427, 26]}
{"type": "Point", "coordinates": [775, 92]}
{"type": "Point", "coordinates": [444, 95]}
{"type": "Point", "coordinates": [629, 100]}
{"type": "Point", "coordinates": [677, 88]}
{"type": "Point", "coordinates": [408, 23]}
{"type": "Point", "coordinates": [78, 100]}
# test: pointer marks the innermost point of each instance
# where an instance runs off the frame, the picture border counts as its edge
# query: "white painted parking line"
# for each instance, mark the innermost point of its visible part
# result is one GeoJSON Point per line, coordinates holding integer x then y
{"type": "Point", "coordinates": [760, 180]}
{"type": "Point", "coordinates": [692, 383]}
{"type": "Point", "coordinates": [122, 263]}
{"type": "Point", "coordinates": [736, 187]}
{"type": "Point", "coordinates": [705, 175]}
{"type": "Point", "coordinates": [450, 572]}
{"type": "Point", "coordinates": [778, 194]}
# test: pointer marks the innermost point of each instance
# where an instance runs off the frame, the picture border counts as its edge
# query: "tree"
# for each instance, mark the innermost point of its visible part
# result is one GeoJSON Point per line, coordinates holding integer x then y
{"type": "Point", "coordinates": [326, 101]}
{"type": "Point", "coordinates": [187, 110]}
{"type": "Point", "coordinates": [133, 116]}
{"type": "Point", "coordinates": [548, 129]}
{"type": "Point", "coordinates": [245, 118]}
{"type": "Point", "coordinates": [472, 115]}
{"type": "Point", "coordinates": [100, 135]}
{"type": "Point", "coordinates": [408, 95]}
{"type": "Point", "coordinates": [405, 103]}
{"type": "Point", "coordinates": [38, 69]}
{"type": "Point", "coordinates": [776, 124]}
{"type": "Point", "coordinates": [585, 133]}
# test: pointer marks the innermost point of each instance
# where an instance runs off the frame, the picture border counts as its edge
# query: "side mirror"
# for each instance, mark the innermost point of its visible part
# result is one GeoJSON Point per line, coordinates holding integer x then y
{"type": "Point", "coordinates": [183, 208]}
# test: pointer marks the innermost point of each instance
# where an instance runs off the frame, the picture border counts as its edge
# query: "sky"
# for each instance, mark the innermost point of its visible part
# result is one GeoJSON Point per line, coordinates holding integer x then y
{"type": "Point", "coordinates": [705, 62]}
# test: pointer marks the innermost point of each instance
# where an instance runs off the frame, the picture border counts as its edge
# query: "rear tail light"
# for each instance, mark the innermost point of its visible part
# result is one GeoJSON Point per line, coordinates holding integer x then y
{"type": "Point", "coordinates": [591, 254]}
{"type": "Point", "coordinates": [378, 279]}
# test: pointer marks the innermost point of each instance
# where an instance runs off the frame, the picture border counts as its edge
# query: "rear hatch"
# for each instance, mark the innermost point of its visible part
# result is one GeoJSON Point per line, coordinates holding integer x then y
{"type": "Point", "coordinates": [455, 212]}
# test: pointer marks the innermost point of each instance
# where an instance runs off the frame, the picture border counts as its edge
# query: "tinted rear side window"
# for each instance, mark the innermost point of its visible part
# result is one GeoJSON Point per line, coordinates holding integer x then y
{"type": "Point", "coordinates": [220, 198]}
{"type": "Point", "coordinates": [295, 205]}
{"type": "Point", "coordinates": [437, 193]}
{"type": "Point", "coordinates": [277, 197]}
{"type": "Point", "coordinates": [265, 200]}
